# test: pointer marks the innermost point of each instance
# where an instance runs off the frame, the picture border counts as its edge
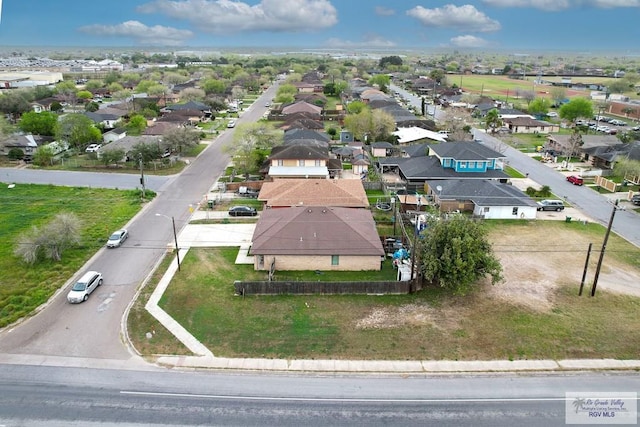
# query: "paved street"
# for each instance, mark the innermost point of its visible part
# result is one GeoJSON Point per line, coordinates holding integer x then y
{"type": "Point", "coordinates": [95, 329]}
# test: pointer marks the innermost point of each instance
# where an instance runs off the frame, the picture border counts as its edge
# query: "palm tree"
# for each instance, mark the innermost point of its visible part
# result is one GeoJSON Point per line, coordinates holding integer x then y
{"type": "Point", "coordinates": [492, 120]}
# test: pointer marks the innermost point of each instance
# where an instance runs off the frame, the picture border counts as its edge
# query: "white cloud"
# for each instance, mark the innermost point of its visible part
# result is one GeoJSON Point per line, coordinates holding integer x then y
{"type": "Point", "coordinates": [550, 5]}
{"type": "Point", "coordinates": [555, 5]}
{"type": "Point", "coordinates": [369, 41]}
{"type": "Point", "coordinates": [384, 11]}
{"type": "Point", "coordinates": [465, 17]}
{"type": "Point", "coordinates": [157, 35]}
{"type": "Point", "coordinates": [468, 41]}
{"type": "Point", "coordinates": [227, 16]}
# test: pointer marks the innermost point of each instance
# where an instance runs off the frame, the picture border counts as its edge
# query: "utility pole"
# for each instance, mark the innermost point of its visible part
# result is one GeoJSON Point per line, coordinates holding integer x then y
{"type": "Point", "coordinates": [142, 178]}
{"type": "Point", "coordinates": [604, 247]}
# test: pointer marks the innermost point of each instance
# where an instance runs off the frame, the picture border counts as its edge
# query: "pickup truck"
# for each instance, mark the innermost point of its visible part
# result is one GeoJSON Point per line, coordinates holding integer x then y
{"type": "Point", "coordinates": [247, 192]}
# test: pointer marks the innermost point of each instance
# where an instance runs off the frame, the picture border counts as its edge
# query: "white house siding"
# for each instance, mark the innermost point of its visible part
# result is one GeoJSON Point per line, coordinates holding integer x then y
{"type": "Point", "coordinates": [505, 212]}
{"type": "Point", "coordinates": [319, 262]}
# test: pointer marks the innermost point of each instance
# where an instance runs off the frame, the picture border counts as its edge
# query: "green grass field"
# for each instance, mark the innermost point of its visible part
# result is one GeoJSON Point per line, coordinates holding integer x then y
{"type": "Point", "coordinates": [24, 287]}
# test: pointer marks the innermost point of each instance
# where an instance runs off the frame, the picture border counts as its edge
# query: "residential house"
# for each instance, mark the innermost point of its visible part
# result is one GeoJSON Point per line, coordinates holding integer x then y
{"type": "Point", "coordinates": [346, 193]}
{"type": "Point", "coordinates": [448, 160]}
{"type": "Point", "coordinates": [360, 163]}
{"type": "Point", "coordinates": [370, 95]}
{"type": "Point", "coordinates": [301, 106]}
{"type": "Point", "coordinates": [128, 142]}
{"type": "Point", "coordinates": [159, 128]}
{"type": "Point", "coordinates": [605, 157]}
{"type": "Point", "coordinates": [44, 104]}
{"type": "Point", "coordinates": [382, 149]}
{"type": "Point", "coordinates": [316, 238]}
{"type": "Point", "coordinates": [512, 113]}
{"type": "Point", "coordinates": [303, 87]}
{"type": "Point", "coordinates": [424, 86]}
{"type": "Point", "coordinates": [191, 106]}
{"type": "Point", "coordinates": [416, 134]}
{"type": "Point", "coordinates": [305, 133]}
{"type": "Point", "coordinates": [106, 120]}
{"type": "Point", "coordinates": [561, 144]}
{"type": "Point", "coordinates": [26, 143]}
{"type": "Point", "coordinates": [529, 125]}
{"type": "Point", "coordinates": [487, 199]}
{"type": "Point", "coordinates": [298, 161]}
{"type": "Point", "coordinates": [185, 117]}
{"type": "Point", "coordinates": [114, 135]}
{"type": "Point", "coordinates": [399, 114]}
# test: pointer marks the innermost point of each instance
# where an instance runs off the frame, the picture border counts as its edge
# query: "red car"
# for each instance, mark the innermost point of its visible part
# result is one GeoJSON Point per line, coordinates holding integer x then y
{"type": "Point", "coordinates": [575, 180]}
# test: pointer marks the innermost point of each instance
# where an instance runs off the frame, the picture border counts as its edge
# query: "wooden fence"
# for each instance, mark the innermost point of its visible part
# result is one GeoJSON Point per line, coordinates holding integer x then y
{"type": "Point", "coordinates": [322, 288]}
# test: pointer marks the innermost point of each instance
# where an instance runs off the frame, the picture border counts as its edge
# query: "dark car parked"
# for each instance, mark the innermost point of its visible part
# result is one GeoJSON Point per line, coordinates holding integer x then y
{"type": "Point", "coordinates": [636, 199]}
{"type": "Point", "coordinates": [242, 211]}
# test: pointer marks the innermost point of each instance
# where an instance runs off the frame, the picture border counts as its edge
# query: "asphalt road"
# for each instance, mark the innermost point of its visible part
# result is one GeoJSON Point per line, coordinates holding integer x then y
{"type": "Point", "coordinates": [54, 396]}
{"type": "Point", "coordinates": [626, 223]}
{"type": "Point", "coordinates": [94, 329]}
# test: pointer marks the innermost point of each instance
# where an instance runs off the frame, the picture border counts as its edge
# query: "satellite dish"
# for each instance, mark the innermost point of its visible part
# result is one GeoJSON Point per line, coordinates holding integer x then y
{"type": "Point", "coordinates": [11, 186]}
{"type": "Point", "coordinates": [439, 188]}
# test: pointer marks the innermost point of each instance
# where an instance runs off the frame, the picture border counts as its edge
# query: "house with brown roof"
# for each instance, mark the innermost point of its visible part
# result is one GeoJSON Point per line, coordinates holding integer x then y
{"type": "Point", "coordinates": [159, 128]}
{"type": "Point", "coordinates": [303, 87]}
{"type": "Point", "coordinates": [316, 238]}
{"type": "Point", "coordinates": [346, 193]}
{"type": "Point", "coordinates": [301, 106]}
{"type": "Point", "coordinates": [299, 161]}
{"type": "Point", "coordinates": [529, 125]}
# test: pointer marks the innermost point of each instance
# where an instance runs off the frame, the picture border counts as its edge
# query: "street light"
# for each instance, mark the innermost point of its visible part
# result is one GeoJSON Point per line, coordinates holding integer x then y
{"type": "Point", "coordinates": [175, 236]}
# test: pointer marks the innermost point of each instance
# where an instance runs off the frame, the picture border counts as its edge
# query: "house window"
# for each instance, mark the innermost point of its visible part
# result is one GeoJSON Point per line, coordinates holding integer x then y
{"type": "Point", "coordinates": [261, 261]}
{"type": "Point", "coordinates": [514, 211]}
{"type": "Point", "coordinates": [462, 165]}
{"type": "Point", "coordinates": [280, 162]}
{"type": "Point", "coordinates": [335, 259]}
{"type": "Point", "coordinates": [486, 209]}
{"type": "Point", "coordinates": [300, 162]}
{"type": "Point", "coordinates": [318, 163]}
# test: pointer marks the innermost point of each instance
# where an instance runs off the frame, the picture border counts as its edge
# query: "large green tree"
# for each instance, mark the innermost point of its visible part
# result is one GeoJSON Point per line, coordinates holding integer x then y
{"type": "Point", "coordinates": [455, 253]}
{"type": "Point", "coordinates": [78, 130]}
{"type": "Point", "coordinates": [372, 125]}
{"type": "Point", "coordinates": [44, 123]}
{"type": "Point", "coordinates": [381, 80]}
{"type": "Point", "coordinates": [539, 106]}
{"type": "Point", "coordinates": [136, 125]}
{"type": "Point", "coordinates": [575, 109]}
{"type": "Point", "coordinates": [389, 60]}
{"type": "Point", "coordinates": [180, 139]}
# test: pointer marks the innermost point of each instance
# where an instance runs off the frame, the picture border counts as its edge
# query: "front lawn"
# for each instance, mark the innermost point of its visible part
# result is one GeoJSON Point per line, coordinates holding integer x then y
{"type": "Point", "coordinates": [422, 326]}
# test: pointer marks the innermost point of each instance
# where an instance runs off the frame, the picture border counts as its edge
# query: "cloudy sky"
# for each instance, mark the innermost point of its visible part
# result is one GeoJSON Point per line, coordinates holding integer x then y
{"type": "Point", "coordinates": [577, 25]}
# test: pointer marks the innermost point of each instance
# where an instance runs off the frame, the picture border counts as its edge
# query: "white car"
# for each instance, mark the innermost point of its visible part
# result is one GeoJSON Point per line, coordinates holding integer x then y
{"type": "Point", "coordinates": [231, 124]}
{"type": "Point", "coordinates": [84, 286]}
{"type": "Point", "coordinates": [117, 238]}
{"type": "Point", "coordinates": [552, 114]}
{"type": "Point", "coordinates": [92, 148]}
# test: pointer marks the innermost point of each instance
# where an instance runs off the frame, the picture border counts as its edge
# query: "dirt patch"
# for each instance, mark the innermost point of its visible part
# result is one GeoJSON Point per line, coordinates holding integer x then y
{"type": "Point", "coordinates": [537, 260]}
